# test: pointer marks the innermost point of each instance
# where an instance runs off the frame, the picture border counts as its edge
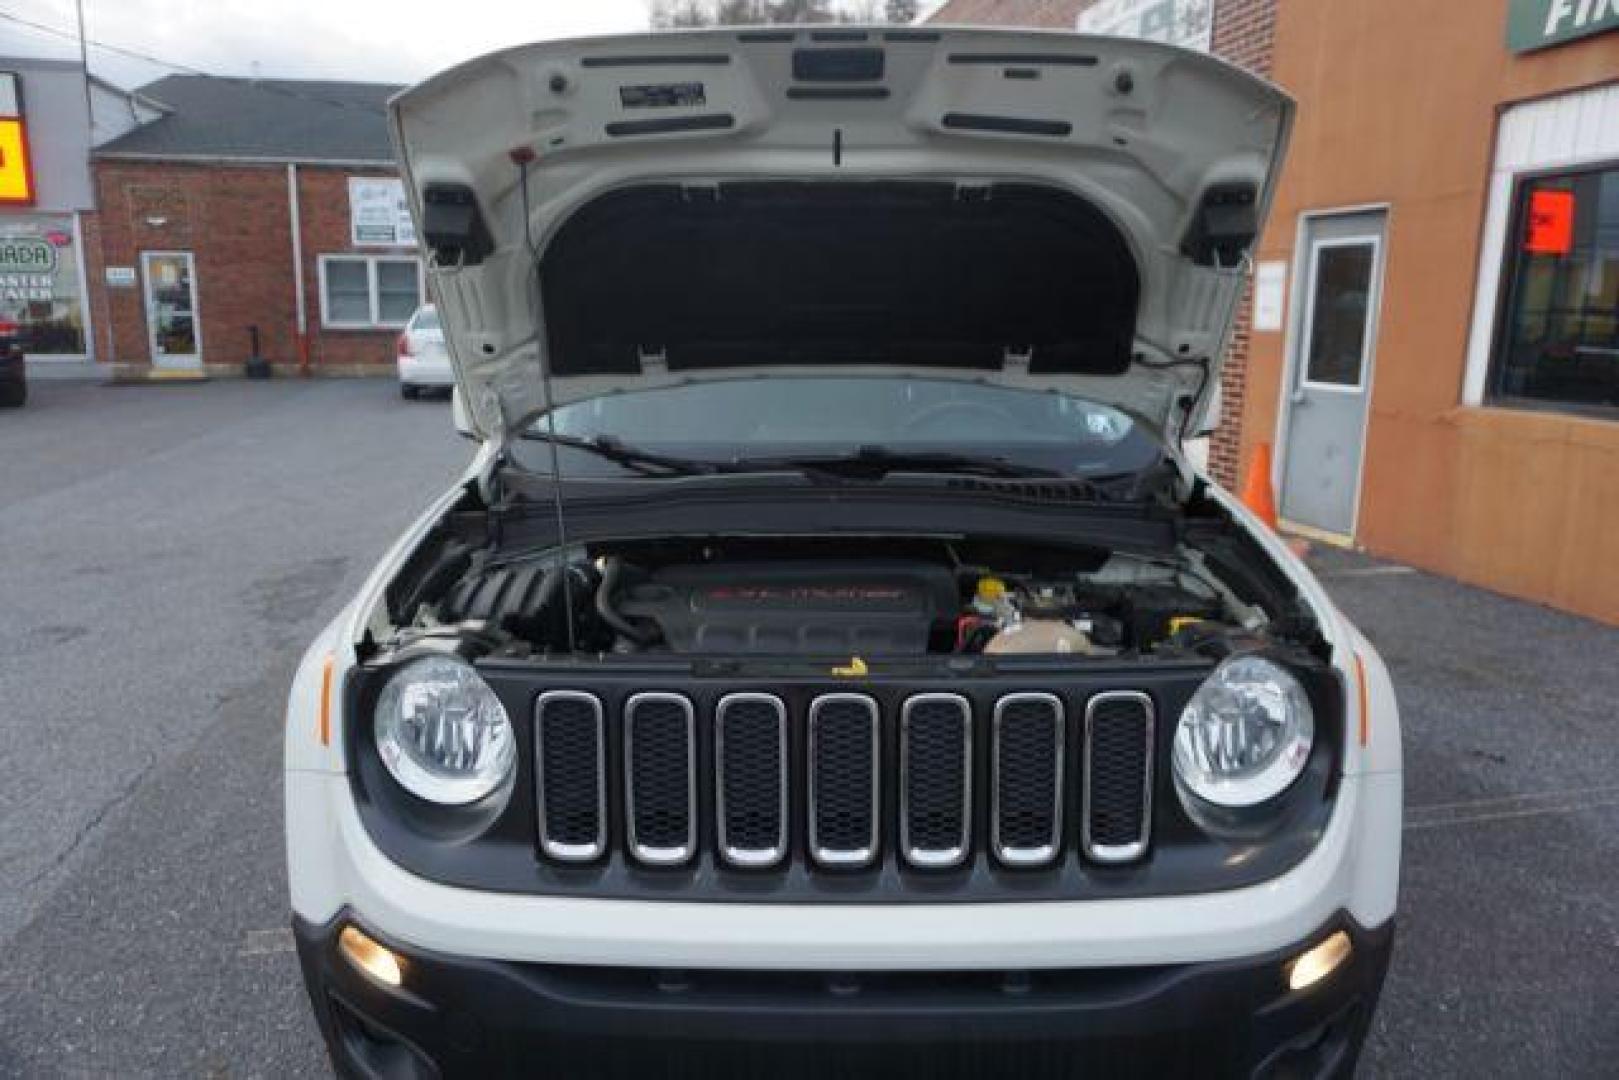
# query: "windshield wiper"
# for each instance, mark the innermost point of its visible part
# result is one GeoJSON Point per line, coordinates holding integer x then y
{"type": "Point", "coordinates": [874, 462]}
{"type": "Point", "coordinates": [633, 458]}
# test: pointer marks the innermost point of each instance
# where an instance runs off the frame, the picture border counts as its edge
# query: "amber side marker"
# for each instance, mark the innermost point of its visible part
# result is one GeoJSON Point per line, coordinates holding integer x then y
{"type": "Point", "coordinates": [1316, 964]}
{"type": "Point", "coordinates": [370, 956]}
{"type": "Point", "coordinates": [326, 700]}
{"type": "Point", "coordinates": [1360, 683]}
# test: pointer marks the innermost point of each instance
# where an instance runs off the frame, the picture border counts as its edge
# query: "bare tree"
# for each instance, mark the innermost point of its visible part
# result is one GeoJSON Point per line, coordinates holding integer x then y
{"type": "Point", "coordinates": [680, 14]}
{"type": "Point", "coordinates": [901, 12]}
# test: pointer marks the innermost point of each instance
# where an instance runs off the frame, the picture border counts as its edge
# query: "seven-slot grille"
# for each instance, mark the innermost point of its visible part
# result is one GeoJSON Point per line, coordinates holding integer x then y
{"type": "Point", "coordinates": [840, 804]}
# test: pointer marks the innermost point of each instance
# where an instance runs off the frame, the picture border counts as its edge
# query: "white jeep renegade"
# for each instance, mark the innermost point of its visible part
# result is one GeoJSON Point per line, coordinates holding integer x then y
{"type": "Point", "coordinates": [830, 664]}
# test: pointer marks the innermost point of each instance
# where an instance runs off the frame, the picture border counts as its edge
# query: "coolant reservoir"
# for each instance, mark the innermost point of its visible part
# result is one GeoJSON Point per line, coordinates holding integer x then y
{"type": "Point", "coordinates": [1039, 636]}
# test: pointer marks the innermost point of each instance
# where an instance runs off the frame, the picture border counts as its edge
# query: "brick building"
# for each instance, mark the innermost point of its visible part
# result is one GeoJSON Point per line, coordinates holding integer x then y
{"type": "Point", "coordinates": [268, 204]}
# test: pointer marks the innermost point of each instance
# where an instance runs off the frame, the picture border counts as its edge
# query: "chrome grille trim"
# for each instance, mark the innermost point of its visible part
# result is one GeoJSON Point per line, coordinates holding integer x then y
{"type": "Point", "coordinates": [935, 858]}
{"type": "Point", "coordinates": [1117, 853]}
{"type": "Point", "coordinates": [866, 853]}
{"type": "Point", "coordinates": [646, 853]}
{"type": "Point", "coordinates": [556, 849]}
{"type": "Point", "coordinates": [750, 858]}
{"type": "Point", "coordinates": [1041, 854]}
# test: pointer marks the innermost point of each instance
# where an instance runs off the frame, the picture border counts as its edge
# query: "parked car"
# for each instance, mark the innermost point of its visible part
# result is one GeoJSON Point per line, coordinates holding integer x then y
{"type": "Point", "coordinates": [13, 367]}
{"type": "Point", "coordinates": [829, 663]}
{"type": "Point", "coordinates": [424, 362]}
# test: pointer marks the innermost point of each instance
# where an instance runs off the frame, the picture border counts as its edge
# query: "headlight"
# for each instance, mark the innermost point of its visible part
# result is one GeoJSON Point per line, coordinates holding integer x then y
{"type": "Point", "coordinates": [1245, 735]}
{"type": "Point", "coordinates": [443, 733]}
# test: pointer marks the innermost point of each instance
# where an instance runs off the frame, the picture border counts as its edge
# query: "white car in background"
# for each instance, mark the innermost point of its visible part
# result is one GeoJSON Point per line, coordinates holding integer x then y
{"type": "Point", "coordinates": [424, 362]}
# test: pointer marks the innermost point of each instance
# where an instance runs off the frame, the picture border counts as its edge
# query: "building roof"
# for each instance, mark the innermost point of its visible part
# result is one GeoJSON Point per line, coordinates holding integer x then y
{"type": "Point", "coordinates": [270, 119]}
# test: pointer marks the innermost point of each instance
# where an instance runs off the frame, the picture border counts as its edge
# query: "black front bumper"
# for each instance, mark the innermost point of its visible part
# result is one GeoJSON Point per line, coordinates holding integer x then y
{"type": "Point", "coordinates": [463, 1017]}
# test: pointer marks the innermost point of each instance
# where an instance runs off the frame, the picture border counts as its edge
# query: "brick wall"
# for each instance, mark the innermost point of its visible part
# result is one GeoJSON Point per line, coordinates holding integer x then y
{"type": "Point", "coordinates": [1244, 34]}
{"type": "Point", "coordinates": [234, 219]}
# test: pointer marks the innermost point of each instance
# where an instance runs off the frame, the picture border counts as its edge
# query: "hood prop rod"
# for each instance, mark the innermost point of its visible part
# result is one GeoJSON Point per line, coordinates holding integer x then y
{"type": "Point", "coordinates": [522, 156]}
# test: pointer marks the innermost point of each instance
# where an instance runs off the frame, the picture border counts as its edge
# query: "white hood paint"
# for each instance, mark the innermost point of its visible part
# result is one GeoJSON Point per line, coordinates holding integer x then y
{"type": "Point", "coordinates": [1145, 131]}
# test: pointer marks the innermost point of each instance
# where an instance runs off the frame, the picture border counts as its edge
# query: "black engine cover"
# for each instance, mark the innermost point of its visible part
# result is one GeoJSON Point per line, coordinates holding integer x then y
{"type": "Point", "coordinates": [840, 609]}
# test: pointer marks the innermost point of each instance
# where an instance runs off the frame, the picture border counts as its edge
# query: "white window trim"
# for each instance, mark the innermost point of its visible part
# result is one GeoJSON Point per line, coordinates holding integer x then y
{"type": "Point", "coordinates": [1570, 131]}
{"type": "Point", "coordinates": [375, 322]}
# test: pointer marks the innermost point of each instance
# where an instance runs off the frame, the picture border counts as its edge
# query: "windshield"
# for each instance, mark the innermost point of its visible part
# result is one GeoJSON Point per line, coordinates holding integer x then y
{"type": "Point", "coordinates": [777, 416]}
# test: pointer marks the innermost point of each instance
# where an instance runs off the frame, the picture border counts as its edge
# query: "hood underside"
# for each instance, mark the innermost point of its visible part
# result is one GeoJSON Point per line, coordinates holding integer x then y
{"type": "Point", "coordinates": [1038, 210]}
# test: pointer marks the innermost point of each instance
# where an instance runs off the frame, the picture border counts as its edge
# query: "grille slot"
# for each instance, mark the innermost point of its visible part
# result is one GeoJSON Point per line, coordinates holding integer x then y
{"type": "Point", "coordinates": [1026, 795]}
{"type": "Point", "coordinates": [843, 763]}
{"type": "Point", "coordinates": [750, 750]}
{"type": "Point", "coordinates": [570, 760]}
{"type": "Point", "coordinates": [935, 779]}
{"type": "Point", "coordinates": [1117, 794]}
{"type": "Point", "coordinates": [660, 778]}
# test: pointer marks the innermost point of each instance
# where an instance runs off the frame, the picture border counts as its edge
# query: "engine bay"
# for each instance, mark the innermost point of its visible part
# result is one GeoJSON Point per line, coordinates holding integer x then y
{"type": "Point", "coordinates": [826, 596]}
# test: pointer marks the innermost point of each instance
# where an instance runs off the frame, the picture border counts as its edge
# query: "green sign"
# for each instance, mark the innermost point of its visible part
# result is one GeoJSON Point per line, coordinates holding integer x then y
{"type": "Point", "coordinates": [1535, 24]}
{"type": "Point", "coordinates": [26, 255]}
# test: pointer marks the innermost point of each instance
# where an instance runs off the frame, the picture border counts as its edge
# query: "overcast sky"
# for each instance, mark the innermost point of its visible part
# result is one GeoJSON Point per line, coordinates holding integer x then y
{"type": "Point", "coordinates": [377, 40]}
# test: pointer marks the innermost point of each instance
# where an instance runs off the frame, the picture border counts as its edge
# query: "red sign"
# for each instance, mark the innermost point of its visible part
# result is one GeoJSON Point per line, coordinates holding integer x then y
{"type": "Point", "coordinates": [1551, 223]}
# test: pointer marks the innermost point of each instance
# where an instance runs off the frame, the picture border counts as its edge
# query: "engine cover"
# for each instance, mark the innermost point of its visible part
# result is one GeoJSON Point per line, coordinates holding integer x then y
{"type": "Point", "coordinates": [827, 608]}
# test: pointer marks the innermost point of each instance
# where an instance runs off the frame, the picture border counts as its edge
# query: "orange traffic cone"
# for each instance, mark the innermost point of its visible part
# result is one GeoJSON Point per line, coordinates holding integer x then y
{"type": "Point", "coordinates": [1256, 492]}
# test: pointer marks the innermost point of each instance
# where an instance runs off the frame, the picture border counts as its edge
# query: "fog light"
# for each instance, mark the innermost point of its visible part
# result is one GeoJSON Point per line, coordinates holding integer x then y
{"type": "Point", "coordinates": [372, 957]}
{"type": "Point", "coordinates": [1316, 964]}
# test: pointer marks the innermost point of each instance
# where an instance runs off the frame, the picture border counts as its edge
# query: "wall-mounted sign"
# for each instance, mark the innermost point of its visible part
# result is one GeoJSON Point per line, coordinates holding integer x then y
{"type": "Point", "coordinates": [1535, 24]}
{"type": "Point", "coordinates": [378, 213]}
{"type": "Point", "coordinates": [1270, 296]}
{"type": "Point", "coordinates": [16, 171]}
{"type": "Point", "coordinates": [26, 255]}
{"type": "Point", "coordinates": [1187, 23]}
{"type": "Point", "coordinates": [121, 277]}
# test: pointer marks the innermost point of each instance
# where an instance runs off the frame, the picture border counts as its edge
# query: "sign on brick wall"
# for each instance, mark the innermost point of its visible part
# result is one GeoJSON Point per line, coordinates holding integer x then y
{"type": "Point", "coordinates": [1535, 24]}
{"type": "Point", "coordinates": [378, 213]}
{"type": "Point", "coordinates": [1188, 23]}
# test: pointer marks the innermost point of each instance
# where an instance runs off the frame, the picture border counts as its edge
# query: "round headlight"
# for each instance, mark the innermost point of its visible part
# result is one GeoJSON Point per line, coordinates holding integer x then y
{"type": "Point", "coordinates": [443, 733]}
{"type": "Point", "coordinates": [1245, 735]}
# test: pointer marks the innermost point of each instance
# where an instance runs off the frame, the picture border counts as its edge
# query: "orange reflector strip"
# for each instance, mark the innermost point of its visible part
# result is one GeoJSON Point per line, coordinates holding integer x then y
{"type": "Point", "coordinates": [1360, 681]}
{"type": "Point", "coordinates": [326, 700]}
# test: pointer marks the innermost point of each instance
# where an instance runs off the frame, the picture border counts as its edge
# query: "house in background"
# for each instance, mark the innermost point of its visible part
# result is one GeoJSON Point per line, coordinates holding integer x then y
{"type": "Point", "coordinates": [253, 205]}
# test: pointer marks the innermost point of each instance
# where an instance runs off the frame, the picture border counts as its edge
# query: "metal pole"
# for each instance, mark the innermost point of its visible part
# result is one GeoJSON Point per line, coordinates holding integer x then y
{"type": "Point", "coordinates": [84, 63]}
{"type": "Point", "coordinates": [294, 216]}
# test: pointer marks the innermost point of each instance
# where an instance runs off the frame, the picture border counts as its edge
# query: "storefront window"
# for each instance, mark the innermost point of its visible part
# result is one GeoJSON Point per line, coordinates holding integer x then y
{"type": "Point", "coordinates": [39, 283]}
{"type": "Point", "coordinates": [1559, 340]}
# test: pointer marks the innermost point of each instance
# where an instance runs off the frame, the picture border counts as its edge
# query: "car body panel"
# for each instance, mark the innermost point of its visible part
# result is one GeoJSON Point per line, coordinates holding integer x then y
{"type": "Point", "coordinates": [1147, 131]}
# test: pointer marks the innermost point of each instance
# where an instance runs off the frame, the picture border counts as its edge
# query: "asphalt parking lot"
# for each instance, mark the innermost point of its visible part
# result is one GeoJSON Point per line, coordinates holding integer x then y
{"type": "Point", "coordinates": [166, 552]}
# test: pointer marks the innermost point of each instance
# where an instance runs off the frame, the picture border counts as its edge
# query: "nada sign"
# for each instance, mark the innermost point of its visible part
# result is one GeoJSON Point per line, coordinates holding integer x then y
{"type": "Point", "coordinates": [26, 255]}
{"type": "Point", "coordinates": [1535, 24]}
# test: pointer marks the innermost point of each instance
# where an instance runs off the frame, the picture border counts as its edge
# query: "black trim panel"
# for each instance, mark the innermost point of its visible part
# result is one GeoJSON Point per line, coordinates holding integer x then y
{"type": "Point", "coordinates": [1007, 125]}
{"type": "Point", "coordinates": [671, 124]}
{"type": "Point", "coordinates": [459, 1016]}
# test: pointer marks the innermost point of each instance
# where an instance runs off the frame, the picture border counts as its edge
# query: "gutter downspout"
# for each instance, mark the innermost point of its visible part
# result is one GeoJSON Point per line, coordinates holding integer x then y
{"type": "Point", "coordinates": [301, 336]}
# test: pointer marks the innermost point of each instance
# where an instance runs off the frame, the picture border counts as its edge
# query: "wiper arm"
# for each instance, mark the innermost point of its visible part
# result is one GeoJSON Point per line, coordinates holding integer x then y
{"type": "Point", "coordinates": [877, 461]}
{"type": "Point", "coordinates": [645, 462]}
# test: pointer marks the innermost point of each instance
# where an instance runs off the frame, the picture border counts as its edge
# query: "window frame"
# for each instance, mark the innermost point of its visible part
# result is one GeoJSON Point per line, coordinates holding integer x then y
{"type": "Point", "coordinates": [373, 293]}
{"type": "Point", "coordinates": [1506, 291]}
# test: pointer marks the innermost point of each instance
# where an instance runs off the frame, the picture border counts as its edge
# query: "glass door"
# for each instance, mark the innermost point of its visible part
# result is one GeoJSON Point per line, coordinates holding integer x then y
{"type": "Point", "coordinates": [171, 308]}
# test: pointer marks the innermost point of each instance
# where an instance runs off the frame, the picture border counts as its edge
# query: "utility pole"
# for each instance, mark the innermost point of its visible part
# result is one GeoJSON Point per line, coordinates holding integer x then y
{"type": "Point", "coordinates": [84, 63]}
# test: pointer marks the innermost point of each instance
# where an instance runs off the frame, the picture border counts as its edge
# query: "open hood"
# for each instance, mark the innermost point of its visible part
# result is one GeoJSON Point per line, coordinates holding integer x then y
{"type": "Point", "coordinates": [1029, 209]}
